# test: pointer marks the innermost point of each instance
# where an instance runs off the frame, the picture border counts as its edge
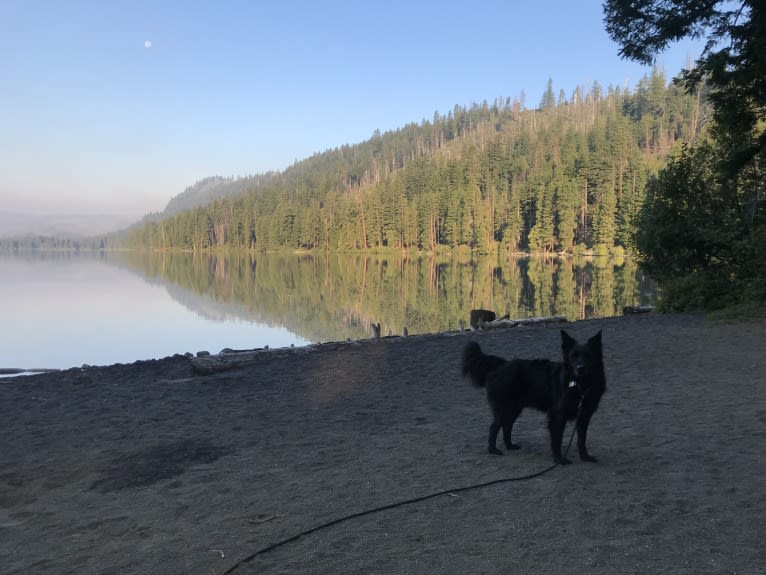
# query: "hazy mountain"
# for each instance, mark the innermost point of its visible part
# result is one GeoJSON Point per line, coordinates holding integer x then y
{"type": "Point", "coordinates": [20, 224]}
{"type": "Point", "coordinates": [208, 189]}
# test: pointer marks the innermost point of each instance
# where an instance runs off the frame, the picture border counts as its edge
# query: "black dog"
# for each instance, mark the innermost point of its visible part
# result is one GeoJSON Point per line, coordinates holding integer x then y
{"type": "Point", "coordinates": [481, 316]}
{"type": "Point", "coordinates": [564, 390]}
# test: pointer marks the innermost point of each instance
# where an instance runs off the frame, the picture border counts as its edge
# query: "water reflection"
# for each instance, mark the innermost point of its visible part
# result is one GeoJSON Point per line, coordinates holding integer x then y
{"type": "Point", "coordinates": [330, 297]}
{"type": "Point", "coordinates": [64, 309]}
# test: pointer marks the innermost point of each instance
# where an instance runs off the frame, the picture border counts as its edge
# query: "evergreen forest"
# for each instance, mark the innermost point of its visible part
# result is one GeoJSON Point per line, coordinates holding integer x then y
{"type": "Point", "coordinates": [569, 175]}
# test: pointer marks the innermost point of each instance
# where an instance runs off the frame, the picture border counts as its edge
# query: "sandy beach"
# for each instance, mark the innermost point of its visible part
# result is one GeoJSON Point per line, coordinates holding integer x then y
{"type": "Point", "coordinates": [152, 468]}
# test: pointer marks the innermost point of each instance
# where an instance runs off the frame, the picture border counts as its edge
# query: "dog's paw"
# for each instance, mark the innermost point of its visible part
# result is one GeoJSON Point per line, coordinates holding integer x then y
{"type": "Point", "coordinates": [512, 446]}
{"type": "Point", "coordinates": [588, 458]}
{"type": "Point", "coordinates": [495, 451]}
{"type": "Point", "coordinates": [562, 460]}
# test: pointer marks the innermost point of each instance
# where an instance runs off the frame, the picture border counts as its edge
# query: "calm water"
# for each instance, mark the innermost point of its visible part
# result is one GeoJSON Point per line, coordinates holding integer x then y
{"type": "Point", "coordinates": [62, 310]}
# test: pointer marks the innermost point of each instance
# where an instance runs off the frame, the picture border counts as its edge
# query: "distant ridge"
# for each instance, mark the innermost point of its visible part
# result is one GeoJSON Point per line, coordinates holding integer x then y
{"type": "Point", "coordinates": [208, 189]}
{"type": "Point", "coordinates": [24, 224]}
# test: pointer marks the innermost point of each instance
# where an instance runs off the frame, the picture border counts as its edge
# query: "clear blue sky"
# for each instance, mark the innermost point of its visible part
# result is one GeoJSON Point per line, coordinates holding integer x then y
{"type": "Point", "coordinates": [115, 106]}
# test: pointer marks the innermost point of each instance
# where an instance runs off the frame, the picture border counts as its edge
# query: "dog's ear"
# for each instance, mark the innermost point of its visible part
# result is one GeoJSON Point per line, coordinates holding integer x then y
{"type": "Point", "coordinates": [595, 341]}
{"type": "Point", "coordinates": [566, 341]}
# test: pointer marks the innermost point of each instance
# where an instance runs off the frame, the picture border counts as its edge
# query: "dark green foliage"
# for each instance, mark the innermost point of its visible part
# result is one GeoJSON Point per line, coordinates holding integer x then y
{"type": "Point", "coordinates": [698, 238]}
{"type": "Point", "coordinates": [702, 232]}
{"type": "Point", "coordinates": [681, 240]}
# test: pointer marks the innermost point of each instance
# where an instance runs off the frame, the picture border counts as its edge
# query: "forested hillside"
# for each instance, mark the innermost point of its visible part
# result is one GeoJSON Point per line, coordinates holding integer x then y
{"type": "Point", "coordinates": [567, 175]}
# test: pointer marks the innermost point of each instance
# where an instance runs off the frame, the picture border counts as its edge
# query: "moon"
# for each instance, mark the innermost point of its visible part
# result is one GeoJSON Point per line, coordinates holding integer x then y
{"type": "Point", "coordinates": [148, 44]}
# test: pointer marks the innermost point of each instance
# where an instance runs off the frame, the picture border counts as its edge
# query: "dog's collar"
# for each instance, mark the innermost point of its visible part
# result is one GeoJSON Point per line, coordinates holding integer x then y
{"type": "Point", "coordinates": [574, 384]}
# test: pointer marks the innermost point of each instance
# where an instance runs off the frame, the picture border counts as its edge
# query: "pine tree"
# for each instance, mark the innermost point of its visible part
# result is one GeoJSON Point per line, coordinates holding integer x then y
{"type": "Point", "coordinates": [548, 101]}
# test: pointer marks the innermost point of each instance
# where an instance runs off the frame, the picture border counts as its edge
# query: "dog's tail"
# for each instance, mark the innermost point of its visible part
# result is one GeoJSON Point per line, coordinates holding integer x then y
{"type": "Point", "coordinates": [476, 365]}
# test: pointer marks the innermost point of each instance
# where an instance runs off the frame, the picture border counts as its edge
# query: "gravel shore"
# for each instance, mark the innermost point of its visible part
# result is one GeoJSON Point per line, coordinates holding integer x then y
{"type": "Point", "coordinates": [152, 468]}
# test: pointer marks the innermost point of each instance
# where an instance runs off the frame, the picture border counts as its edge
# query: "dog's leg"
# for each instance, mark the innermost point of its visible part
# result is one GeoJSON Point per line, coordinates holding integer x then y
{"type": "Point", "coordinates": [509, 418]}
{"type": "Point", "coordinates": [582, 433]}
{"type": "Point", "coordinates": [494, 429]}
{"type": "Point", "coordinates": [556, 424]}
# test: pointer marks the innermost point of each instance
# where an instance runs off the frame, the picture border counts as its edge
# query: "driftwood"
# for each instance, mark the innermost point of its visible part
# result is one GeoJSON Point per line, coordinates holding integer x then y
{"type": "Point", "coordinates": [376, 331]}
{"type": "Point", "coordinates": [503, 322]}
{"type": "Point", "coordinates": [635, 309]}
{"type": "Point", "coordinates": [205, 364]}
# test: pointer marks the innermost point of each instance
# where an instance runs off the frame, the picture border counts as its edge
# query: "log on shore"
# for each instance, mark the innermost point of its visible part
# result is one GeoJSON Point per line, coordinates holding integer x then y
{"type": "Point", "coordinates": [229, 359]}
{"type": "Point", "coordinates": [527, 321]}
{"type": "Point", "coordinates": [206, 364]}
{"type": "Point", "coordinates": [636, 309]}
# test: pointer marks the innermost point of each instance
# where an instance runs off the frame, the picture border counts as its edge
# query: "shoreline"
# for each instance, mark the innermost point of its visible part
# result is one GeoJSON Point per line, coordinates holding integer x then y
{"type": "Point", "coordinates": [150, 467]}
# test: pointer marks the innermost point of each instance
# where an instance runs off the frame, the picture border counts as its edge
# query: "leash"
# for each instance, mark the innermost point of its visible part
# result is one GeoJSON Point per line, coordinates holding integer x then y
{"type": "Point", "coordinates": [402, 504]}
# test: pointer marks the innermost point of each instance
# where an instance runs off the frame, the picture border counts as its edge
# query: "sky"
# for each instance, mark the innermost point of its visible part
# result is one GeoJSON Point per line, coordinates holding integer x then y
{"type": "Point", "coordinates": [114, 107]}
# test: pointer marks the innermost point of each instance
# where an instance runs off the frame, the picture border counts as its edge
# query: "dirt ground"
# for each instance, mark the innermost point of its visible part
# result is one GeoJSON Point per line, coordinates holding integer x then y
{"type": "Point", "coordinates": [151, 468]}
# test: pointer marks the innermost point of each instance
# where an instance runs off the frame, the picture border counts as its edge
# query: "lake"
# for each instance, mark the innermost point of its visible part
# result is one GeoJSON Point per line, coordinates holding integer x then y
{"type": "Point", "coordinates": [63, 309]}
